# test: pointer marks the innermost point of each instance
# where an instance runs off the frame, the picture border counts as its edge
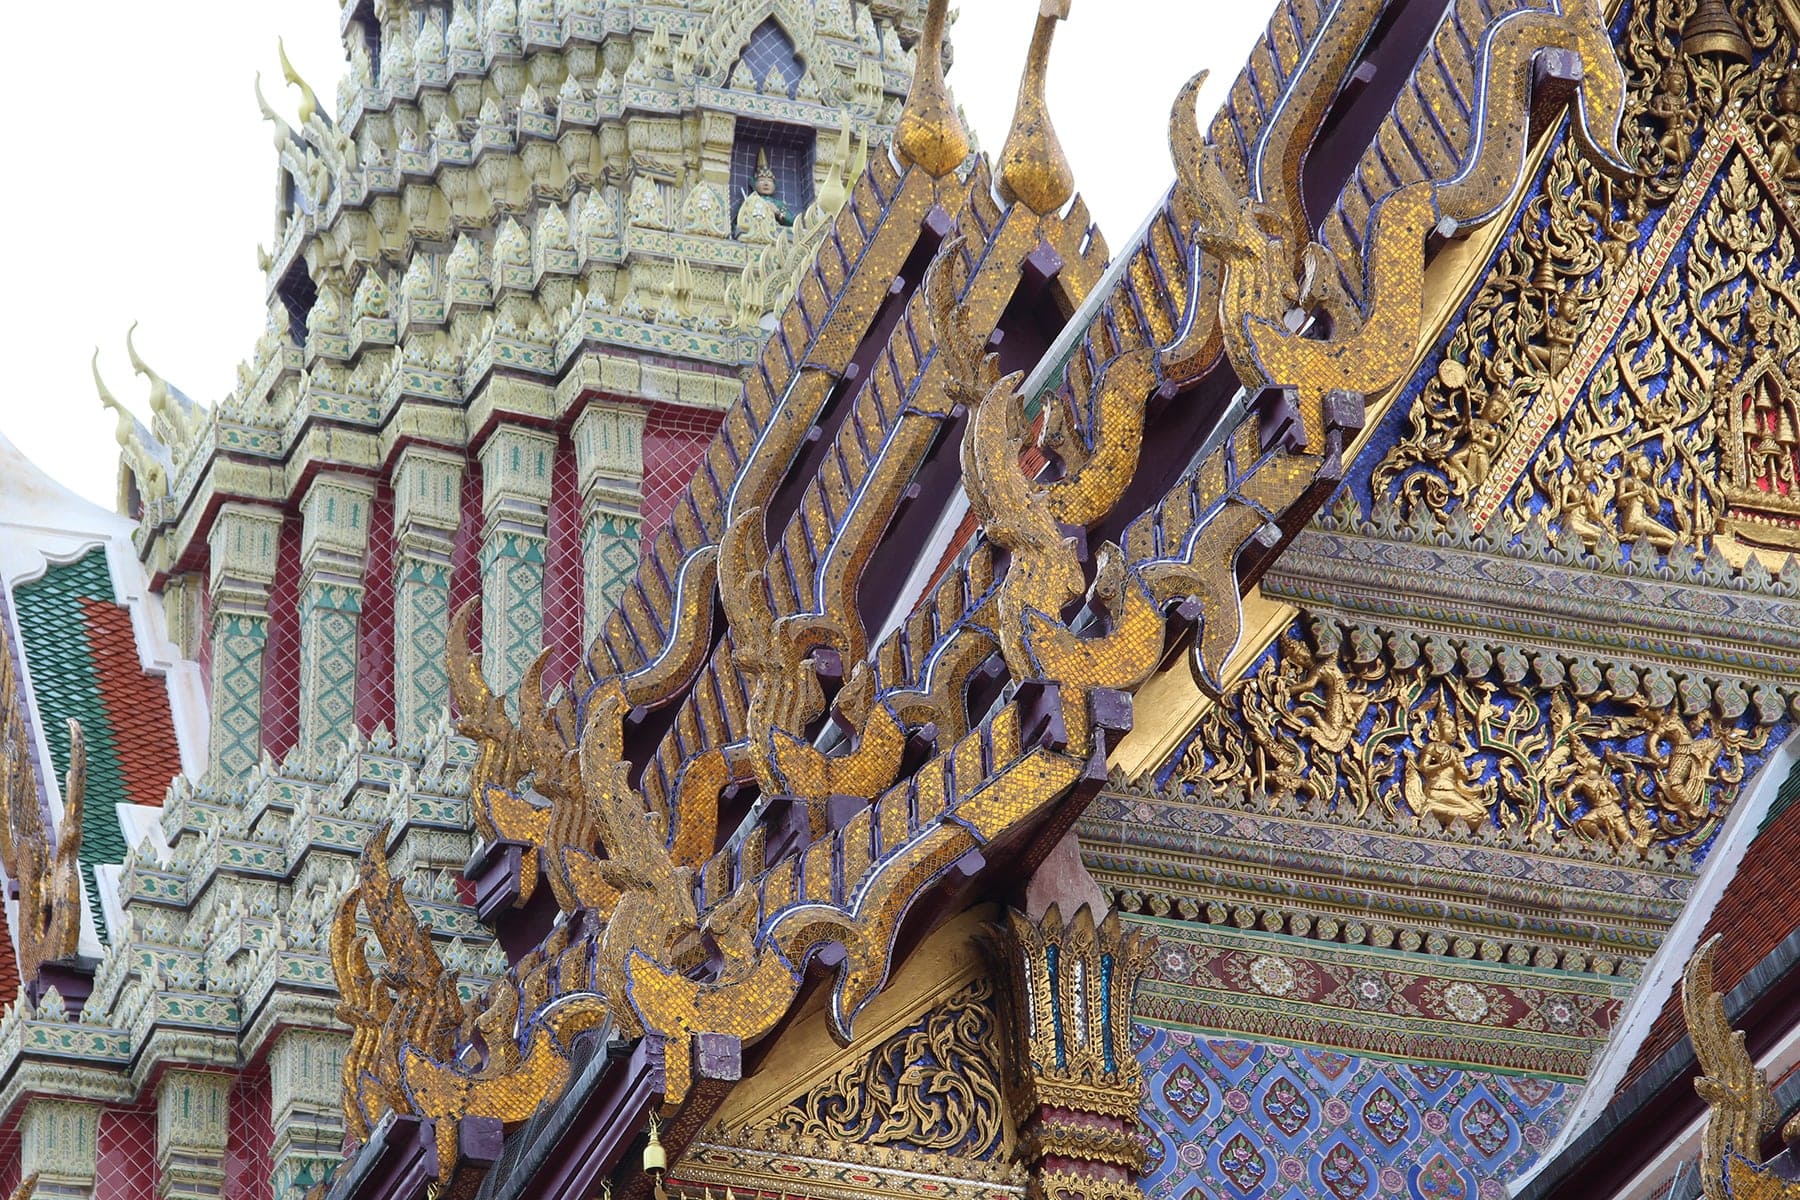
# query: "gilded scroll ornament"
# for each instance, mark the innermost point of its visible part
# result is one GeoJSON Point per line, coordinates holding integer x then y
{"type": "Point", "coordinates": [1468, 748]}
{"type": "Point", "coordinates": [931, 1088]}
{"type": "Point", "coordinates": [1741, 1109]}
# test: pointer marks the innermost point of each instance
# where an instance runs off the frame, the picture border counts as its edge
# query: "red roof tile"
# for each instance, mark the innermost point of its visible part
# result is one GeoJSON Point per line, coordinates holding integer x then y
{"type": "Point", "coordinates": [1760, 907]}
{"type": "Point", "coordinates": [137, 705]}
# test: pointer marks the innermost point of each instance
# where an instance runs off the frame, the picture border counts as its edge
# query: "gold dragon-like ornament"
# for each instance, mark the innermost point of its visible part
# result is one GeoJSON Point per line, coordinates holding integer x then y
{"type": "Point", "coordinates": [671, 929]}
{"type": "Point", "coordinates": [1740, 1108]}
{"type": "Point", "coordinates": [47, 870]}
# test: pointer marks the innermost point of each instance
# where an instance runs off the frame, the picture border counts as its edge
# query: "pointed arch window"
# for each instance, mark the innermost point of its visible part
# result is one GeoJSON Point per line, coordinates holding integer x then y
{"type": "Point", "coordinates": [773, 61]}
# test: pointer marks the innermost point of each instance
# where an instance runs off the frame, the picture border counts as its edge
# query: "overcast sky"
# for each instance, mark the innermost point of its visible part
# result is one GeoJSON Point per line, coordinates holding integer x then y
{"type": "Point", "coordinates": [142, 177]}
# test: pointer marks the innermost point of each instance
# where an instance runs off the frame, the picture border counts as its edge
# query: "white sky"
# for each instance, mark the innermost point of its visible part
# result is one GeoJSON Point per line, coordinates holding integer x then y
{"type": "Point", "coordinates": [146, 179]}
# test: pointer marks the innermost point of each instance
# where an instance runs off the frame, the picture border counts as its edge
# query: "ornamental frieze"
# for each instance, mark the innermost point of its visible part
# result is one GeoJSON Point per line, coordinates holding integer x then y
{"type": "Point", "coordinates": [1431, 731]}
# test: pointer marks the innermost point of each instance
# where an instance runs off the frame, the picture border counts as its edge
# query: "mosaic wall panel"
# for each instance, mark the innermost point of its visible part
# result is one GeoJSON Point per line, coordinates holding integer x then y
{"type": "Point", "coordinates": [1238, 1120]}
{"type": "Point", "coordinates": [675, 442]}
{"type": "Point", "coordinates": [250, 1141]}
{"type": "Point", "coordinates": [1370, 1000]}
{"type": "Point", "coordinates": [125, 1159]}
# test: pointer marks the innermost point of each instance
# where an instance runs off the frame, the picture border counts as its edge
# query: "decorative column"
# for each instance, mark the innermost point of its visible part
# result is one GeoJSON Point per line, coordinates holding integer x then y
{"type": "Point", "coordinates": [334, 548]}
{"type": "Point", "coordinates": [1072, 1081]}
{"type": "Point", "coordinates": [57, 1144]}
{"type": "Point", "coordinates": [191, 1126]}
{"type": "Point", "coordinates": [609, 456]}
{"type": "Point", "coordinates": [306, 1108]}
{"type": "Point", "coordinates": [515, 502]}
{"type": "Point", "coordinates": [244, 542]}
{"type": "Point", "coordinates": [427, 509]}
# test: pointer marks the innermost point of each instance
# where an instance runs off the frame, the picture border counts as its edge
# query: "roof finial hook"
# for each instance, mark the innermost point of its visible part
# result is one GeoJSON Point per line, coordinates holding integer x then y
{"type": "Point", "coordinates": [930, 133]}
{"type": "Point", "coordinates": [1034, 171]}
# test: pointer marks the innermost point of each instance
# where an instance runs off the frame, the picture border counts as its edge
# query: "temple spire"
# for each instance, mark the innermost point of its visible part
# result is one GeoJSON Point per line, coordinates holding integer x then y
{"type": "Point", "coordinates": [930, 133]}
{"type": "Point", "coordinates": [1034, 171]}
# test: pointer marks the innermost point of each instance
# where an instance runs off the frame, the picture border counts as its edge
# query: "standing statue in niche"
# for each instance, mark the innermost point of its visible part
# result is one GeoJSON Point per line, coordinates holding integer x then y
{"type": "Point", "coordinates": [762, 212]}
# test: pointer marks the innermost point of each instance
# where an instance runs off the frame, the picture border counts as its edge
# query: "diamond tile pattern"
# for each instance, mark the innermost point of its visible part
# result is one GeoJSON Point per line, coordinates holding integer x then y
{"type": "Point", "coordinates": [563, 568]}
{"type": "Point", "coordinates": [81, 654]}
{"type": "Point", "coordinates": [125, 1165]}
{"type": "Point", "coordinates": [1237, 1120]}
{"type": "Point", "coordinates": [770, 52]}
{"type": "Point", "coordinates": [249, 1164]}
{"type": "Point", "coordinates": [675, 440]}
{"type": "Point", "coordinates": [280, 715]}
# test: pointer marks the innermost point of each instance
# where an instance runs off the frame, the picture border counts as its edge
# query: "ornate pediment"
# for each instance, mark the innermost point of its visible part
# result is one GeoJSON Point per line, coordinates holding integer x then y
{"type": "Point", "coordinates": [1623, 373]}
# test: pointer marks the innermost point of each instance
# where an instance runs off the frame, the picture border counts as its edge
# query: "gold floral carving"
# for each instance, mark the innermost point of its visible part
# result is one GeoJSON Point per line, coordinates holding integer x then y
{"type": "Point", "coordinates": [1741, 1109]}
{"type": "Point", "coordinates": [932, 1087]}
{"type": "Point", "coordinates": [1067, 1013]}
{"type": "Point", "coordinates": [1466, 748]}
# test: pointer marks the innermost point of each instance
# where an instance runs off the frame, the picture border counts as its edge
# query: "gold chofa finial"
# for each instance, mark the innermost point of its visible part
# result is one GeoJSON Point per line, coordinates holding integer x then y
{"type": "Point", "coordinates": [1034, 171]}
{"type": "Point", "coordinates": [309, 103]}
{"type": "Point", "coordinates": [930, 133]}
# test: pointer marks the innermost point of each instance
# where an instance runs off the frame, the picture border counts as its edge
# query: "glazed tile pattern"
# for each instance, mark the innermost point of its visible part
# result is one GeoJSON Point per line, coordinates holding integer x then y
{"type": "Point", "coordinates": [82, 657]}
{"type": "Point", "coordinates": [1366, 999]}
{"type": "Point", "coordinates": [1754, 915]}
{"type": "Point", "coordinates": [1238, 1120]}
{"type": "Point", "coordinates": [675, 442]}
{"type": "Point", "coordinates": [125, 1162]}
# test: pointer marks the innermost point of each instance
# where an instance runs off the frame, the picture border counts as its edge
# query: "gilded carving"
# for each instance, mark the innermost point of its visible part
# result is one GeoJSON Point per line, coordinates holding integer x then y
{"type": "Point", "coordinates": [1072, 1076]}
{"type": "Point", "coordinates": [47, 871]}
{"type": "Point", "coordinates": [674, 926]}
{"type": "Point", "coordinates": [1469, 745]}
{"type": "Point", "coordinates": [931, 1087]}
{"type": "Point", "coordinates": [1741, 1109]}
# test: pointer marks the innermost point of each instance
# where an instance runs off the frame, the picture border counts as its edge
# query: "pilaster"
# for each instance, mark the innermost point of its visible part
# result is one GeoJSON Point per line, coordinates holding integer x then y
{"type": "Point", "coordinates": [57, 1144]}
{"type": "Point", "coordinates": [1072, 1079]}
{"type": "Point", "coordinates": [306, 1108]}
{"type": "Point", "coordinates": [516, 464]}
{"type": "Point", "coordinates": [244, 542]}
{"type": "Point", "coordinates": [609, 458]}
{"type": "Point", "coordinates": [427, 509]}
{"type": "Point", "coordinates": [182, 607]}
{"type": "Point", "coordinates": [191, 1127]}
{"type": "Point", "coordinates": [334, 548]}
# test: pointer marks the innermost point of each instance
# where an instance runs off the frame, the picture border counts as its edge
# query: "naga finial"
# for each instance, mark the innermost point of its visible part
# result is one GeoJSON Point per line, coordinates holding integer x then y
{"type": "Point", "coordinates": [283, 133]}
{"type": "Point", "coordinates": [930, 132]}
{"type": "Point", "coordinates": [159, 387]}
{"type": "Point", "coordinates": [309, 103]}
{"type": "Point", "coordinates": [1034, 171]}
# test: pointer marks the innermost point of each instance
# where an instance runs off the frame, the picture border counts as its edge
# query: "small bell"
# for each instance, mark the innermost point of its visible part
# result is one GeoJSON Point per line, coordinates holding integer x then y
{"type": "Point", "coordinates": [1714, 30]}
{"type": "Point", "coordinates": [655, 1157]}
